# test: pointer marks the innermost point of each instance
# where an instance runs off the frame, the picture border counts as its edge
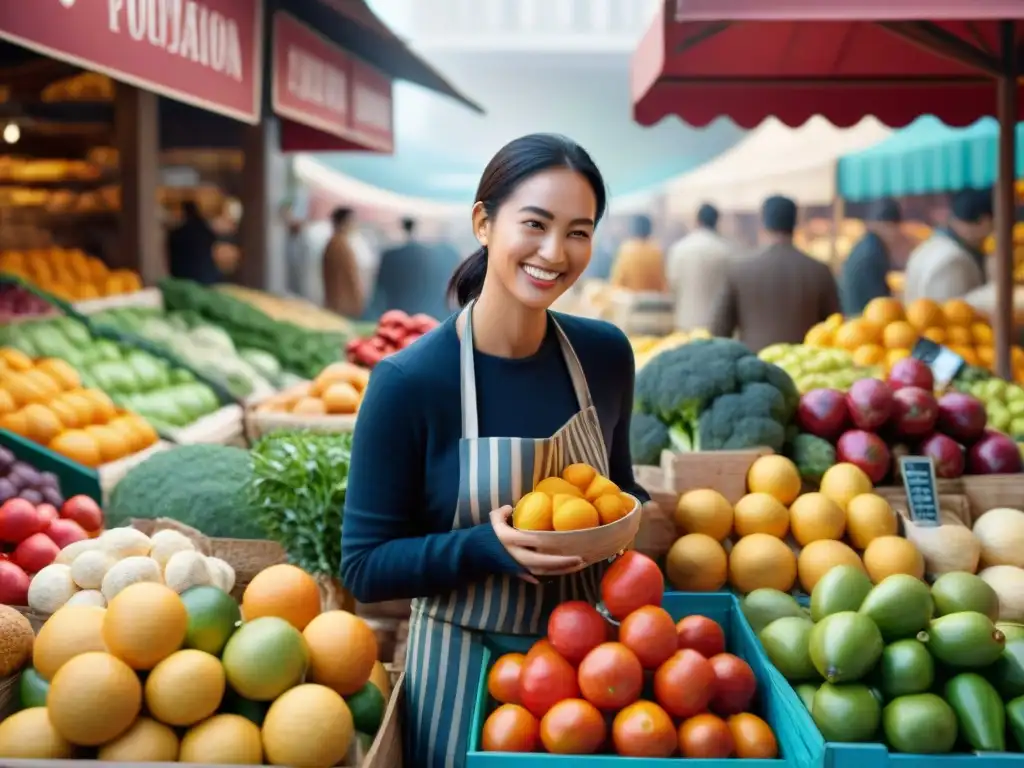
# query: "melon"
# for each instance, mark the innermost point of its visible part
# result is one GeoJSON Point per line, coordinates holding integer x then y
{"type": "Point", "coordinates": [29, 735]}
{"type": "Point", "coordinates": [72, 630]}
{"type": "Point", "coordinates": [222, 739]}
{"type": "Point", "coordinates": [147, 741]}
{"type": "Point", "coordinates": [93, 699]}
{"type": "Point", "coordinates": [342, 651]}
{"type": "Point", "coordinates": [145, 623]}
{"type": "Point", "coordinates": [265, 658]}
{"type": "Point", "coordinates": [310, 725]}
{"type": "Point", "coordinates": [185, 688]}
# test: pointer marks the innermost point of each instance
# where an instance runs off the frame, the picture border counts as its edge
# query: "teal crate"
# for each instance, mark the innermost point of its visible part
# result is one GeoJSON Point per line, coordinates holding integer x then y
{"type": "Point", "coordinates": [74, 478]}
{"type": "Point", "coordinates": [877, 756]}
{"type": "Point", "coordinates": [800, 744]}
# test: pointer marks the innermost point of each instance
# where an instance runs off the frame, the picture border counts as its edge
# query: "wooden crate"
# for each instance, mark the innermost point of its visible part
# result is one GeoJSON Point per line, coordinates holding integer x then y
{"type": "Point", "coordinates": [983, 492]}
{"type": "Point", "coordinates": [724, 471]}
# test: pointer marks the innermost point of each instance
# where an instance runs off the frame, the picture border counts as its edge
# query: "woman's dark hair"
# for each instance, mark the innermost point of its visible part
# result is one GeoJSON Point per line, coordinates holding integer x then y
{"type": "Point", "coordinates": [516, 162]}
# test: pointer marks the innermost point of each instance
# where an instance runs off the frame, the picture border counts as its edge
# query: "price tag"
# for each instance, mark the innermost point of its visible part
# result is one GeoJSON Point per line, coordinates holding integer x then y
{"type": "Point", "coordinates": [922, 494]}
{"type": "Point", "coordinates": [944, 362]}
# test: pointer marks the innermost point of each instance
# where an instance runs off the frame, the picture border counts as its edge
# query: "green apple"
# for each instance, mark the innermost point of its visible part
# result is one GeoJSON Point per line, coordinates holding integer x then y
{"type": "Point", "coordinates": [1017, 426]}
{"type": "Point", "coordinates": [1015, 407]}
{"type": "Point", "coordinates": [993, 389]}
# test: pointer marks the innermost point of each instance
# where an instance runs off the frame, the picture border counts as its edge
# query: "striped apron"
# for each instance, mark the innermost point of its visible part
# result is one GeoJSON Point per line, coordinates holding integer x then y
{"type": "Point", "coordinates": [446, 632]}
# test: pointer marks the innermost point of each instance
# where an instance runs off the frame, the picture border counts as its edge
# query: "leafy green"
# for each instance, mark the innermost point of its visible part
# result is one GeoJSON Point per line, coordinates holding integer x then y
{"type": "Point", "coordinates": [298, 487]}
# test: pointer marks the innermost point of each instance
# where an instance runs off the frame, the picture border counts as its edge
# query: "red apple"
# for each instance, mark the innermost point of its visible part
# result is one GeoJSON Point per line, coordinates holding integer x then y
{"type": "Point", "coordinates": [869, 402]}
{"type": "Point", "coordinates": [47, 514]}
{"type": "Point", "coordinates": [13, 584]}
{"type": "Point", "coordinates": [18, 520]}
{"type": "Point", "coordinates": [84, 511]}
{"type": "Point", "coordinates": [64, 532]}
{"type": "Point", "coordinates": [867, 451]}
{"type": "Point", "coordinates": [915, 411]}
{"type": "Point", "coordinates": [911, 372]}
{"type": "Point", "coordinates": [36, 552]}
{"type": "Point", "coordinates": [822, 412]}
{"type": "Point", "coordinates": [947, 455]}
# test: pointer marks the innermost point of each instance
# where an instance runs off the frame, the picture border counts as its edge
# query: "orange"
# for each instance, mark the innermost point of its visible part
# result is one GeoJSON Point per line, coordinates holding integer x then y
{"type": "Point", "coordinates": [925, 313]}
{"type": "Point", "coordinates": [103, 408]}
{"type": "Point", "coordinates": [868, 517]}
{"type": "Point", "coordinates": [887, 555]}
{"type": "Point", "coordinates": [704, 511]}
{"type": "Point", "coordinates": [42, 423]}
{"type": "Point", "coordinates": [61, 372]}
{"type": "Point", "coordinates": [938, 335]}
{"type": "Point", "coordinates": [760, 560]}
{"type": "Point", "coordinates": [7, 404]}
{"type": "Point", "coordinates": [533, 512]}
{"type": "Point", "coordinates": [841, 482]}
{"type": "Point", "coordinates": [967, 353]}
{"type": "Point", "coordinates": [776, 476]}
{"type": "Point", "coordinates": [696, 563]}
{"type": "Point", "coordinates": [342, 651]}
{"type": "Point", "coordinates": [869, 354]}
{"type": "Point", "coordinates": [899, 335]}
{"type": "Point", "coordinates": [761, 513]}
{"type": "Point", "coordinates": [47, 387]}
{"type": "Point", "coordinates": [815, 516]}
{"type": "Point", "coordinates": [959, 335]}
{"type": "Point", "coordinates": [15, 359]}
{"type": "Point", "coordinates": [580, 475]}
{"type": "Point", "coordinates": [82, 406]}
{"type": "Point", "coordinates": [883, 310]}
{"type": "Point", "coordinates": [144, 624]}
{"type": "Point", "coordinates": [818, 336]}
{"type": "Point", "coordinates": [856, 333]}
{"type": "Point", "coordinates": [111, 443]}
{"type": "Point", "coordinates": [986, 356]}
{"type": "Point", "coordinates": [575, 515]}
{"type": "Point", "coordinates": [67, 415]}
{"type": "Point", "coordinates": [982, 334]}
{"type": "Point", "coordinates": [958, 312]}
{"type": "Point", "coordinates": [77, 445]}
{"type": "Point", "coordinates": [284, 591]}
{"type": "Point", "coordinates": [611, 507]}
{"type": "Point", "coordinates": [819, 557]}
{"type": "Point", "coordinates": [15, 422]}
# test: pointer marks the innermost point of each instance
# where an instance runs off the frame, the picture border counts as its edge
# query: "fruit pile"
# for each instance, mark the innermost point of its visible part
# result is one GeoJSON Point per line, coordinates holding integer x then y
{"type": "Point", "coordinates": [395, 330]}
{"type": "Point", "coordinates": [44, 401]}
{"type": "Point", "coordinates": [817, 367]}
{"type": "Point", "coordinates": [336, 391]}
{"type": "Point", "coordinates": [926, 668]}
{"type": "Point", "coordinates": [665, 688]}
{"type": "Point", "coordinates": [69, 273]}
{"type": "Point", "coordinates": [162, 677]}
{"type": "Point", "coordinates": [876, 419]}
{"type": "Point", "coordinates": [32, 536]}
{"type": "Point", "coordinates": [755, 544]}
{"type": "Point", "coordinates": [887, 331]}
{"type": "Point", "coordinates": [16, 302]}
{"type": "Point", "coordinates": [646, 348]}
{"type": "Point", "coordinates": [1004, 403]}
{"type": "Point", "coordinates": [581, 498]}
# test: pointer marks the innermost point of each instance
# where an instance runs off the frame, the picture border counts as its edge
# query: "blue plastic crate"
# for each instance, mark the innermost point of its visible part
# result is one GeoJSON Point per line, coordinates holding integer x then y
{"type": "Point", "coordinates": [877, 756]}
{"type": "Point", "coordinates": [800, 744]}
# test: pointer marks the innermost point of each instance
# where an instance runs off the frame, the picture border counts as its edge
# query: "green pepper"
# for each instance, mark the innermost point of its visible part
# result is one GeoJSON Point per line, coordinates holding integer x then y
{"type": "Point", "coordinates": [979, 710]}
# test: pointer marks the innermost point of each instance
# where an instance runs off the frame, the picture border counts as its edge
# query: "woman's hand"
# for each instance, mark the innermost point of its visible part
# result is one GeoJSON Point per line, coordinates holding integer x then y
{"type": "Point", "coordinates": [517, 543]}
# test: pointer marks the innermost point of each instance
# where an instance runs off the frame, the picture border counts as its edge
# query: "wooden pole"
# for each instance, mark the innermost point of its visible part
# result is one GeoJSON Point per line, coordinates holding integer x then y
{"type": "Point", "coordinates": [1005, 201]}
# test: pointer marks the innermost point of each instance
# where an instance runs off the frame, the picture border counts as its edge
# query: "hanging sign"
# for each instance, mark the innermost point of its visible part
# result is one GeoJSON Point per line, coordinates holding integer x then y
{"type": "Point", "coordinates": [208, 53]}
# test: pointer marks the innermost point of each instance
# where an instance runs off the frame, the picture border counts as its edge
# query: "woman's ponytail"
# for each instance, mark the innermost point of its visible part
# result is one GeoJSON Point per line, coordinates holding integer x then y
{"type": "Point", "coordinates": [468, 279]}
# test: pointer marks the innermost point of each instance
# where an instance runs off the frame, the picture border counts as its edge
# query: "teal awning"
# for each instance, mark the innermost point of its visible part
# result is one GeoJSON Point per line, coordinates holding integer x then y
{"type": "Point", "coordinates": [926, 157]}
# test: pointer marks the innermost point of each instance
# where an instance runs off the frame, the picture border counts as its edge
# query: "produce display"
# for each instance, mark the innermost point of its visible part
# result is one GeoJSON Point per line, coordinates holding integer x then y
{"type": "Point", "coordinates": [647, 347]}
{"type": "Point", "coordinates": [20, 480]}
{"type": "Point", "coordinates": [300, 351]}
{"type": "Point", "coordinates": [649, 687]}
{"type": "Point", "coordinates": [708, 395]}
{"type": "Point", "coordinates": [816, 367]}
{"type": "Point", "coordinates": [580, 498]}
{"type": "Point", "coordinates": [1003, 400]}
{"type": "Point", "coordinates": [16, 302]}
{"type": "Point", "coordinates": [930, 669]}
{"type": "Point", "coordinates": [32, 536]}
{"type": "Point", "coordinates": [336, 391]}
{"type": "Point", "coordinates": [69, 273]}
{"type": "Point", "coordinates": [45, 401]}
{"type": "Point", "coordinates": [289, 309]}
{"type": "Point", "coordinates": [395, 330]}
{"type": "Point", "coordinates": [169, 397]}
{"type": "Point", "coordinates": [158, 676]}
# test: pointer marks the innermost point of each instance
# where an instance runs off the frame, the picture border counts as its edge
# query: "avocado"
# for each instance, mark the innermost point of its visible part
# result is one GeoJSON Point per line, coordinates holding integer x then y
{"type": "Point", "coordinates": [806, 693]}
{"type": "Point", "coordinates": [763, 606]}
{"type": "Point", "coordinates": [843, 588]}
{"type": "Point", "coordinates": [900, 605]}
{"type": "Point", "coordinates": [960, 591]}
{"type": "Point", "coordinates": [979, 711]}
{"type": "Point", "coordinates": [787, 641]}
{"type": "Point", "coordinates": [845, 646]}
{"type": "Point", "coordinates": [921, 723]}
{"type": "Point", "coordinates": [965, 640]}
{"type": "Point", "coordinates": [846, 712]}
{"type": "Point", "coordinates": [1007, 674]}
{"type": "Point", "coordinates": [906, 668]}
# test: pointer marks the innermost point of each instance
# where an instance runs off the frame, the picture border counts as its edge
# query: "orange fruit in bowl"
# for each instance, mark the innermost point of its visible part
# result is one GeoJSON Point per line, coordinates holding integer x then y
{"type": "Point", "coordinates": [883, 310]}
{"type": "Point", "coordinates": [899, 335]}
{"type": "Point", "coordinates": [575, 515]}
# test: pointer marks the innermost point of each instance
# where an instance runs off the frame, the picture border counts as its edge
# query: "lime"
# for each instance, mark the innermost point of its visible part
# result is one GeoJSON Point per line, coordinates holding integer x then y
{"type": "Point", "coordinates": [32, 689]}
{"type": "Point", "coordinates": [212, 617]}
{"type": "Point", "coordinates": [367, 706]}
{"type": "Point", "coordinates": [236, 704]}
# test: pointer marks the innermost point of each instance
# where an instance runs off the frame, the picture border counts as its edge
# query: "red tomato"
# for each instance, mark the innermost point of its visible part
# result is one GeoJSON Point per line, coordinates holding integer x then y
{"type": "Point", "coordinates": [573, 727]}
{"type": "Point", "coordinates": [753, 737]}
{"type": "Point", "coordinates": [575, 629]}
{"type": "Point", "coordinates": [644, 729]}
{"type": "Point", "coordinates": [510, 728]}
{"type": "Point", "coordinates": [706, 736]}
{"type": "Point", "coordinates": [541, 646]}
{"type": "Point", "coordinates": [684, 684]}
{"type": "Point", "coordinates": [611, 676]}
{"type": "Point", "coordinates": [735, 684]}
{"type": "Point", "coordinates": [650, 633]}
{"type": "Point", "coordinates": [503, 679]}
{"type": "Point", "coordinates": [84, 511]}
{"type": "Point", "coordinates": [47, 514]}
{"type": "Point", "coordinates": [545, 680]}
{"type": "Point", "coordinates": [632, 581]}
{"type": "Point", "coordinates": [702, 635]}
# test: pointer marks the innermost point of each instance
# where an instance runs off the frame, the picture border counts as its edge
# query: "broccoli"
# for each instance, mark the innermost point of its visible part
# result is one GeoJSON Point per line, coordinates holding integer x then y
{"type": "Point", "coordinates": [812, 456]}
{"type": "Point", "coordinates": [648, 437]}
{"type": "Point", "coordinates": [713, 394]}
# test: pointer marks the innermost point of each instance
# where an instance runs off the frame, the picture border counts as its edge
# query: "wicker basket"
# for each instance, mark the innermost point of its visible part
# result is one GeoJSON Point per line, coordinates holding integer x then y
{"type": "Point", "coordinates": [8, 695]}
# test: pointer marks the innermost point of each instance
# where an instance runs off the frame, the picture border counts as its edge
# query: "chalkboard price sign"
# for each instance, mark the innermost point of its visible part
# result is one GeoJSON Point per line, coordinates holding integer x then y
{"type": "Point", "coordinates": [922, 494]}
{"type": "Point", "coordinates": [944, 362]}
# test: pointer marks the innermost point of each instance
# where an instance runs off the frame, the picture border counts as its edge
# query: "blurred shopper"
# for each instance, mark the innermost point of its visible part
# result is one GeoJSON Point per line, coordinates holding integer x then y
{"type": "Point", "coordinates": [294, 213]}
{"type": "Point", "coordinates": [950, 263]}
{"type": "Point", "coordinates": [413, 276]}
{"type": "Point", "coordinates": [640, 264]}
{"type": "Point", "coordinates": [779, 293]}
{"type": "Point", "coordinates": [190, 248]}
{"type": "Point", "coordinates": [865, 269]}
{"type": "Point", "coordinates": [698, 268]}
{"type": "Point", "coordinates": [344, 290]}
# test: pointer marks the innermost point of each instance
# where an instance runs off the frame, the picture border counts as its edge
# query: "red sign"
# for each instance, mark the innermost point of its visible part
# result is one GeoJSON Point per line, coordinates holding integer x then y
{"type": "Point", "coordinates": [319, 85]}
{"type": "Point", "coordinates": [204, 52]}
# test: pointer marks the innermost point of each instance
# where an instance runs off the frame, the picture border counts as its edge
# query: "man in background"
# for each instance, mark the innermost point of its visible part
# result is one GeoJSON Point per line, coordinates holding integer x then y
{"type": "Point", "coordinates": [413, 276]}
{"type": "Point", "coordinates": [779, 293]}
{"type": "Point", "coordinates": [697, 270]}
{"type": "Point", "coordinates": [639, 264]}
{"type": "Point", "coordinates": [344, 291]}
{"type": "Point", "coordinates": [864, 272]}
{"type": "Point", "coordinates": [950, 263]}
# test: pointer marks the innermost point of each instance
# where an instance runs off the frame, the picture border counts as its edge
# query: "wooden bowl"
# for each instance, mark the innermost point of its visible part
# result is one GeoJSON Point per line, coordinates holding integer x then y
{"type": "Point", "coordinates": [591, 544]}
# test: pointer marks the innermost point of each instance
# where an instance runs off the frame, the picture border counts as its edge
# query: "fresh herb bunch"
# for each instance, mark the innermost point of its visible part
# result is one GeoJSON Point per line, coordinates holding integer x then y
{"type": "Point", "coordinates": [298, 489]}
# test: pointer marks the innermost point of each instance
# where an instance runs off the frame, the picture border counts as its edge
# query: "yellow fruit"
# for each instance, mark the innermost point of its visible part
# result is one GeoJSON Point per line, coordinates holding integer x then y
{"type": "Point", "coordinates": [77, 445]}
{"type": "Point", "coordinates": [7, 404]}
{"type": "Point", "coordinates": [882, 311]}
{"type": "Point", "coordinates": [818, 336]}
{"type": "Point", "coordinates": [103, 408]}
{"type": "Point", "coordinates": [600, 486]}
{"type": "Point", "coordinates": [819, 557]}
{"type": "Point", "coordinates": [15, 359]}
{"type": "Point", "coordinates": [147, 741]}
{"type": "Point", "coordinates": [29, 735]}
{"type": "Point", "coordinates": [560, 498]}
{"type": "Point", "coordinates": [869, 516]}
{"type": "Point", "coordinates": [93, 699]}
{"type": "Point", "coordinates": [761, 513]}
{"type": "Point", "coordinates": [310, 725]}
{"type": "Point", "coordinates": [72, 630]}
{"type": "Point", "coordinates": [982, 334]}
{"type": "Point", "coordinates": [704, 511]}
{"type": "Point", "coordinates": [611, 507]}
{"type": "Point", "coordinates": [925, 313]}
{"type": "Point", "coordinates": [696, 563]}
{"type": "Point", "coordinates": [899, 335]}
{"type": "Point", "coordinates": [760, 560]}
{"type": "Point", "coordinates": [774, 475]}
{"type": "Point", "coordinates": [580, 475]}
{"type": "Point", "coordinates": [553, 485]}
{"type": "Point", "coordinates": [533, 512]}
{"type": "Point", "coordinates": [379, 677]}
{"type": "Point", "coordinates": [938, 335]}
{"type": "Point", "coordinates": [887, 555]}
{"type": "Point", "coordinates": [65, 376]}
{"type": "Point", "coordinates": [112, 443]}
{"type": "Point", "coordinates": [815, 516]}
{"type": "Point", "coordinates": [223, 740]}
{"type": "Point", "coordinates": [958, 312]}
{"type": "Point", "coordinates": [342, 651]}
{"type": "Point", "coordinates": [856, 333]}
{"type": "Point", "coordinates": [575, 515]}
{"type": "Point", "coordinates": [47, 387]}
{"type": "Point", "coordinates": [870, 354]}
{"type": "Point", "coordinates": [145, 623]}
{"type": "Point", "coordinates": [841, 482]}
{"type": "Point", "coordinates": [185, 688]}
{"type": "Point", "coordinates": [895, 355]}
